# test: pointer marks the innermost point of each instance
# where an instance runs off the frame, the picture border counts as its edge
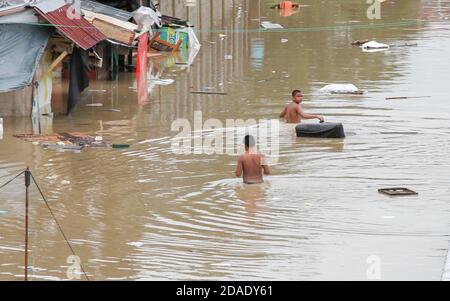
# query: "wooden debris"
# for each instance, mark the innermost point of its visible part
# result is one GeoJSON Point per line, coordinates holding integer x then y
{"type": "Point", "coordinates": [63, 147]}
{"type": "Point", "coordinates": [360, 42]}
{"type": "Point", "coordinates": [64, 141]}
{"type": "Point", "coordinates": [360, 92]}
{"type": "Point", "coordinates": [208, 92]}
{"type": "Point", "coordinates": [407, 97]}
{"type": "Point", "coordinates": [397, 191]}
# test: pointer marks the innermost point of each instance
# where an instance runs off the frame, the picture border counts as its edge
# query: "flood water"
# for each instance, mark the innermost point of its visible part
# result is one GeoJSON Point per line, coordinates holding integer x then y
{"type": "Point", "coordinates": [146, 213]}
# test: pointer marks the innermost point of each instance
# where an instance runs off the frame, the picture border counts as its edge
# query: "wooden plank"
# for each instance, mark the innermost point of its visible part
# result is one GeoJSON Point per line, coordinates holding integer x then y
{"type": "Point", "coordinates": [114, 32]}
{"type": "Point", "coordinates": [397, 191]}
{"type": "Point", "coordinates": [407, 97]}
{"type": "Point", "coordinates": [56, 62]}
{"type": "Point", "coordinates": [117, 30]}
{"type": "Point", "coordinates": [210, 93]}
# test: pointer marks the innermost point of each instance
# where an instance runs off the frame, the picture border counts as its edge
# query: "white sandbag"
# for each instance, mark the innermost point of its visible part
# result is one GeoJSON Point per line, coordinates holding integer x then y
{"type": "Point", "coordinates": [270, 25]}
{"type": "Point", "coordinates": [373, 46]}
{"type": "Point", "coordinates": [339, 88]}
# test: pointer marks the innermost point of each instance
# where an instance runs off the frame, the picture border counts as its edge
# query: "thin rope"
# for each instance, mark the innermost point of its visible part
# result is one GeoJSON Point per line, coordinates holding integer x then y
{"type": "Point", "coordinates": [4, 185]}
{"type": "Point", "coordinates": [59, 226]}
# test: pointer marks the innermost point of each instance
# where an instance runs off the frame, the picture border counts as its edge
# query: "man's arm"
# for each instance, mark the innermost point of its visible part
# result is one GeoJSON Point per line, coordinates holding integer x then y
{"type": "Point", "coordinates": [239, 168]}
{"type": "Point", "coordinates": [308, 116]}
{"type": "Point", "coordinates": [265, 165]}
{"type": "Point", "coordinates": [283, 114]}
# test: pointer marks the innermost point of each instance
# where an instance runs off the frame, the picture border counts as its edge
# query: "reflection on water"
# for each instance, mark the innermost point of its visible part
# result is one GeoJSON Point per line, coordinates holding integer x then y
{"type": "Point", "coordinates": [252, 196]}
{"type": "Point", "coordinates": [257, 54]}
{"type": "Point", "coordinates": [147, 213]}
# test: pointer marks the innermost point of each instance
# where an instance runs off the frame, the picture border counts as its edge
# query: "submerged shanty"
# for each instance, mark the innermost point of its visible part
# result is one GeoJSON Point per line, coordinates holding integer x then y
{"type": "Point", "coordinates": [44, 39]}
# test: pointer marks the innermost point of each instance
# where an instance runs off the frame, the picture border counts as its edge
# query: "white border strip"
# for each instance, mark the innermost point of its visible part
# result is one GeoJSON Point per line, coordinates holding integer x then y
{"type": "Point", "coordinates": [446, 274]}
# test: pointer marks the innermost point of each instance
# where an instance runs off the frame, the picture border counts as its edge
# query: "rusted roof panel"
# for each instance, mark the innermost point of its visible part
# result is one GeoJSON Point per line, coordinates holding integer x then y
{"type": "Point", "coordinates": [78, 30]}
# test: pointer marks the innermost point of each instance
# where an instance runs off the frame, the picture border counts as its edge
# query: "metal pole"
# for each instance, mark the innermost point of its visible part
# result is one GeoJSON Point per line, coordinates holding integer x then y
{"type": "Point", "coordinates": [27, 184]}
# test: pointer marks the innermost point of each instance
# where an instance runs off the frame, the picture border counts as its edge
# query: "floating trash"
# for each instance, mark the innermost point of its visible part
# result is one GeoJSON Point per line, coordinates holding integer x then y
{"type": "Point", "coordinates": [397, 191]}
{"type": "Point", "coordinates": [373, 46]}
{"type": "Point", "coordinates": [341, 89]}
{"type": "Point", "coordinates": [64, 141]}
{"type": "Point", "coordinates": [270, 25]}
{"type": "Point", "coordinates": [120, 146]}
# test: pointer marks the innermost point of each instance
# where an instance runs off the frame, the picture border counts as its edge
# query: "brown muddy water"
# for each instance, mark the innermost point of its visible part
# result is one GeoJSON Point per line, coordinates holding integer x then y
{"type": "Point", "coordinates": [145, 213]}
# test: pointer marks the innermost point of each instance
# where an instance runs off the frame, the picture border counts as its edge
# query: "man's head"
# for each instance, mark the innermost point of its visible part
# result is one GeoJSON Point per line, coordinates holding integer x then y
{"type": "Point", "coordinates": [297, 96]}
{"type": "Point", "coordinates": [249, 142]}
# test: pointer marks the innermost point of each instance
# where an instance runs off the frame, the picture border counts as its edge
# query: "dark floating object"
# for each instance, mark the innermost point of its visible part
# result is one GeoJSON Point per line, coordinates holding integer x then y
{"type": "Point", "coordinates": [360, 42]}
{"type": "Point", "coordinates": [397, 191]}
{"type": "Point", "coordinates": [120, 146]}
{"type": "Point", "coordinates": [321, 130]}
{"type": "Point", "coordinates": [405, 45]}
{"type": "Point", "coordinates": [360, 92]}
{"type": "Point", "coordinates": [207, 92]}
{"type": "Point", "coordinates": [407, 97]}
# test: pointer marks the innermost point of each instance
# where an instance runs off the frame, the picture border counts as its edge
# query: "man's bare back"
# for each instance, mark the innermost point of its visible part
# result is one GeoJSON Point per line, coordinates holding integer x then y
{"type": "Point", "coordinates": [251, 164]}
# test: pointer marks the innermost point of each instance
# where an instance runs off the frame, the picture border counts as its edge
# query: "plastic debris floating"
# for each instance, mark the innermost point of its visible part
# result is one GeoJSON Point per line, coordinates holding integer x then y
{"type": "Point", "coordinates": [270, 25]}
{"type": "Point", "coordinates": [341, 89]}
{"type": "Point", "coordinates": [373, 46]}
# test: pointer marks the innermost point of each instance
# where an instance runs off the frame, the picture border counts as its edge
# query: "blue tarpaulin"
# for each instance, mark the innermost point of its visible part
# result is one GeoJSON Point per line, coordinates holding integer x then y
{"type": "Point", "coordinates": [21, 48]}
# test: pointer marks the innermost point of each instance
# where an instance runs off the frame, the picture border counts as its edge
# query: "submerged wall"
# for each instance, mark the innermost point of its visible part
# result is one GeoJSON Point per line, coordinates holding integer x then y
{"type": "Point", "coordinates": [16, 103]}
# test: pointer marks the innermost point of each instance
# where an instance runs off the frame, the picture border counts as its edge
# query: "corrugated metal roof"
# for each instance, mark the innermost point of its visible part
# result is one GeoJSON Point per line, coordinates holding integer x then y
{"type": "Point", "coordinates": [106, 10]}
{"type": "Point", "coordinates": [78, 30]}
{"type": "Point", "coordinates": [12, 7]}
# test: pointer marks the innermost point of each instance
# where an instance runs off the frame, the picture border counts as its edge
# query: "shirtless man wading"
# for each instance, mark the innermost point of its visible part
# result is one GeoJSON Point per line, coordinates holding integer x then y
{"type": "Point", "coordinates": [252, 164]}
{"type": "Point", "coordinates": [294, 113]}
